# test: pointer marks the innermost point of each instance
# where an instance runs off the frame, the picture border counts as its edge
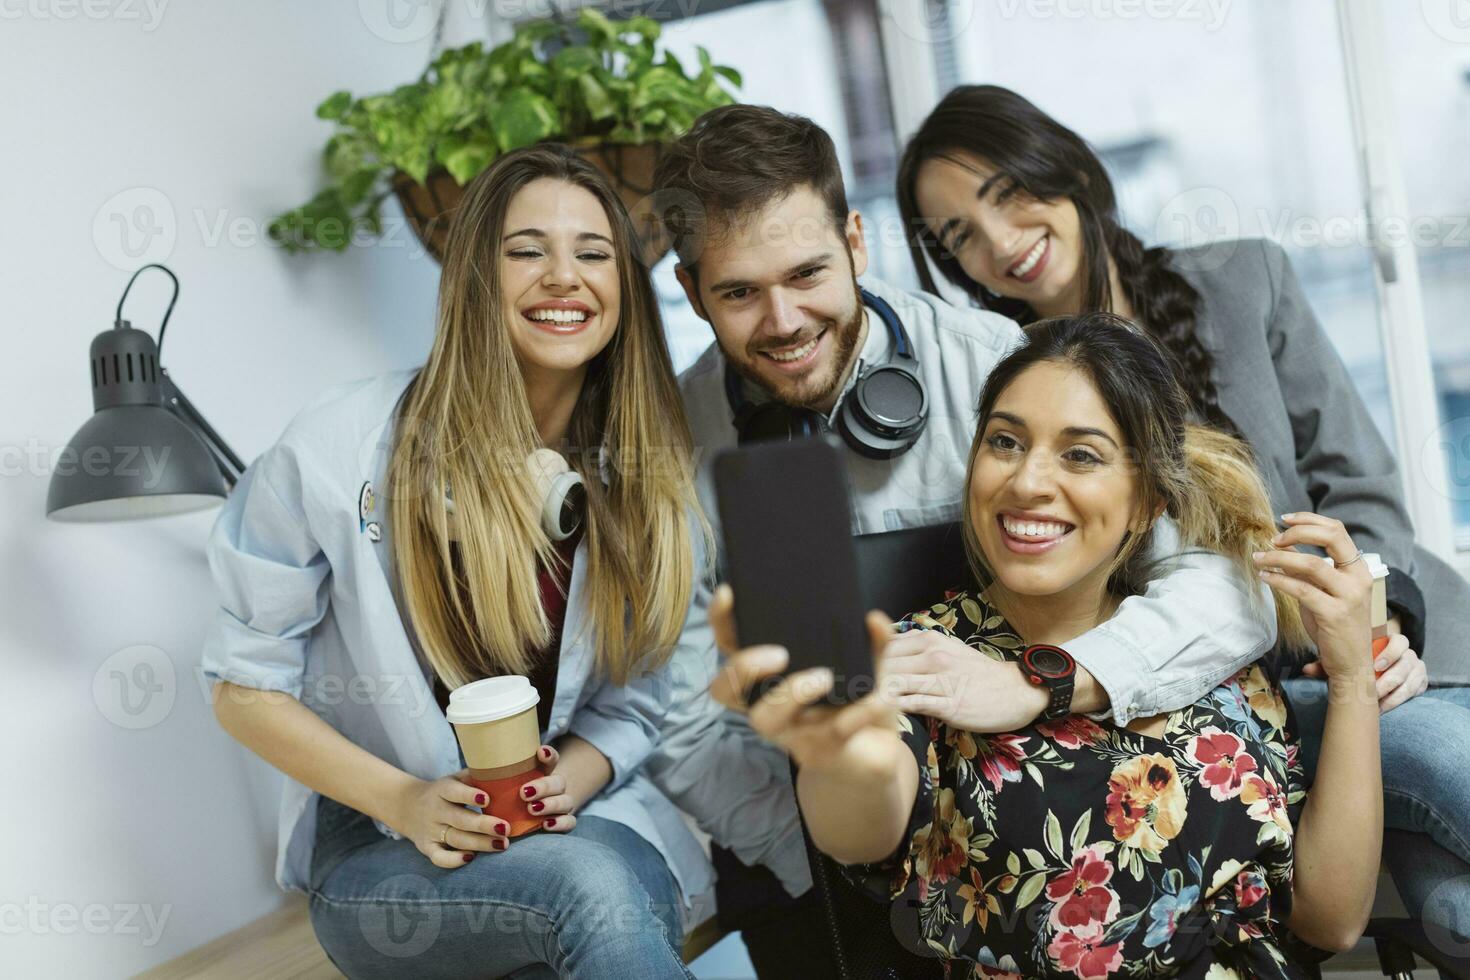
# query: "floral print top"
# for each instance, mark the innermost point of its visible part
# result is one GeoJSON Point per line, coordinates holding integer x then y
{"type": "Point", "coordinates": [1079, 849]}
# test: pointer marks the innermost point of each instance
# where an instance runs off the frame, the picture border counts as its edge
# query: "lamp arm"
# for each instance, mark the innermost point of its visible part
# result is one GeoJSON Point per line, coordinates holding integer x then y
{"type": "Point", "coordinates": [230, 465]}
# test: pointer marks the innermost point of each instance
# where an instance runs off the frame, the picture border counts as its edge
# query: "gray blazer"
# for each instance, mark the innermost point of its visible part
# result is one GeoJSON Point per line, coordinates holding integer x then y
{"type": "Point", "coordinates": [1282, 383]}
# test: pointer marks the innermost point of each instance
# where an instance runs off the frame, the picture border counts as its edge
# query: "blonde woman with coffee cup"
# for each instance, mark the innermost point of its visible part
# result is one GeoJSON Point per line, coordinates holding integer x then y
{"type": "Point", "coordinates": [512, 523]}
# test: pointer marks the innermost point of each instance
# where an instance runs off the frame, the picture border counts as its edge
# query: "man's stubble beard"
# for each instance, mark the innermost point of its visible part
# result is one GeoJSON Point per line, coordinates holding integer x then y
{"type": "Point", "coordinates": [847, 335]}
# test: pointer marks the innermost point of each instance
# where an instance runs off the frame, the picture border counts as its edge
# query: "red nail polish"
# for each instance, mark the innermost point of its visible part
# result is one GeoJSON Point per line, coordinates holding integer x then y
{"type": "Point", "coordinates": [545, 752]}
{"type": "Point", "coordinates": [499, 845]}
{"type": "Point", "coordinates": [549, 824]}
{"type": "Point", "coordinates": [528, 791]}
{"type": "Point", "coordinates": [479, 799]}
{"type": "Point", "coordinates": [501, 828]}
{"type": "Point", "coordinates": [537, 807]}
{"type": "Point", "coordinates": [468, 858]}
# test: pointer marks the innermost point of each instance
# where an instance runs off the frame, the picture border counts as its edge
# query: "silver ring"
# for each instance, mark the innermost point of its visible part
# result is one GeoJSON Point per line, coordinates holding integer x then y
{"type": "Point", "coordinates": [444, 837]}
{"type": "Point", "coordinates": [1345, 564]}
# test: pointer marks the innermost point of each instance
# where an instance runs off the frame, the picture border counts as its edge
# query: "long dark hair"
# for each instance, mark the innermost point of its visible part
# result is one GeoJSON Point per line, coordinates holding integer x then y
{"type": "Point", "coordinates": [1046, 160]}
{"type": "Point", "coordinates": [1205, 479]}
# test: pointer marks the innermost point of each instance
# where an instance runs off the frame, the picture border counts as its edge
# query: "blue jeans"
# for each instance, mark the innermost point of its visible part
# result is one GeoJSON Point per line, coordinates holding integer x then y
{"type": "Point", "coordinates": [597, 902]}
{"type": "Point", "coordinates": [1426, 794]}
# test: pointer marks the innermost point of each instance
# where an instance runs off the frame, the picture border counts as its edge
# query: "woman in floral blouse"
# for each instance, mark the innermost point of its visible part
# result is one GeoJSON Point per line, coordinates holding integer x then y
{"type": "Point", "coordinates": [1183, 845]}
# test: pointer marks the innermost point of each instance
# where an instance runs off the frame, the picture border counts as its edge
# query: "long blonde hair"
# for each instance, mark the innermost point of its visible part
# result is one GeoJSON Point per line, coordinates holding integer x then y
{"type": "Point", "coordinates": [1205, 479]}
{"type": "Point", "coordinates": [466, 423]}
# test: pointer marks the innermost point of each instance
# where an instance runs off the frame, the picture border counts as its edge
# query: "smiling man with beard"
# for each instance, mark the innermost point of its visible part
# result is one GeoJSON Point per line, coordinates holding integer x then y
{"type": "Point", "coordinates": [771, 256]}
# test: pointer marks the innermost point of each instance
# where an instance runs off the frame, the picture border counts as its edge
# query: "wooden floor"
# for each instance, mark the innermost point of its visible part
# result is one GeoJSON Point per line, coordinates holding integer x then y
{"type": "Point", "coordinates": [281, 946]}
{"type": "Point", "coordinates": [278, 946]}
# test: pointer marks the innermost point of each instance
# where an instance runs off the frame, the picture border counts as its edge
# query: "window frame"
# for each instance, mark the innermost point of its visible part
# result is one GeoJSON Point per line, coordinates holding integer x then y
{"type": "Point", "coordinates": [1407, 361]}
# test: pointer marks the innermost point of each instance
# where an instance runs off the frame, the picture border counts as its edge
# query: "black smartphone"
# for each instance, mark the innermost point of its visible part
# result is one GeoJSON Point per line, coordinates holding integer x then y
{"type": "Point", "coordinates": [786, 518]}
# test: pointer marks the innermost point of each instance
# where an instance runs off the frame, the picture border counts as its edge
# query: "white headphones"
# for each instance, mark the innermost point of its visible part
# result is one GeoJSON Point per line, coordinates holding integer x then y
{"type": "Point", "coordinates": [560, 488]}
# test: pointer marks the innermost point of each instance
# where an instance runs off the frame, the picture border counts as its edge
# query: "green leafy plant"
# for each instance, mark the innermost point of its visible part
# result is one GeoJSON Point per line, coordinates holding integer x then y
{"type": "Point", "coordinates": [598, 82]}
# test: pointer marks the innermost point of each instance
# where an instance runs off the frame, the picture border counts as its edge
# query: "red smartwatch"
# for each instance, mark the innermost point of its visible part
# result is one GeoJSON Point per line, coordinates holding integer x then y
{"type": "Point", "coordinates": [1053, 668]}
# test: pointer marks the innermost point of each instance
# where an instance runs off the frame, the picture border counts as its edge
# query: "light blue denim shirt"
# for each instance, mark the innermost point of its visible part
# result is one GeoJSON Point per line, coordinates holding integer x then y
{"type": "Point", "coordinates": [1193, 628]}
{"type": "Point", "coordinates": [307, 606]}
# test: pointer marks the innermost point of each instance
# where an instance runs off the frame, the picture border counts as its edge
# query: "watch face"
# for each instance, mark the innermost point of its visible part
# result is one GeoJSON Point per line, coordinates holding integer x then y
{"type": "Point", "coordinates": [1049, 661]}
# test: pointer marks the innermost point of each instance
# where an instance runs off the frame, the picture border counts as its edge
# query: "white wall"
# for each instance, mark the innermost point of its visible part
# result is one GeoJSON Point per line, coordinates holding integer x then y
{"type": "Point", "coordinates": [204, 109]}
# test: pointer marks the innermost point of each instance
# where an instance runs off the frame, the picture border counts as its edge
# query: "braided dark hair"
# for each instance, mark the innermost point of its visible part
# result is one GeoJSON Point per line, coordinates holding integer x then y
{"type": "Point", "coordinates": [1046, 160]}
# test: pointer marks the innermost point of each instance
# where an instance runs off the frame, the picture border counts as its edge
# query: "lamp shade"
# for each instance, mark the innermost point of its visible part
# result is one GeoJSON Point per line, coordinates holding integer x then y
{"type": "Point", "coordinates": [134, 457]}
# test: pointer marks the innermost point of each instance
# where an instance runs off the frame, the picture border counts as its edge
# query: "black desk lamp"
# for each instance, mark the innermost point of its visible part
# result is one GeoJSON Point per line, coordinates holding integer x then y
{"type": "Point", "coordinates": [147, 452]}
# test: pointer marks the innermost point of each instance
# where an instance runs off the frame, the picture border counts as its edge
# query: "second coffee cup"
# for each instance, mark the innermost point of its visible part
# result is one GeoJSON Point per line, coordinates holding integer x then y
{"type": "Point", "coordinates": [495, 721]}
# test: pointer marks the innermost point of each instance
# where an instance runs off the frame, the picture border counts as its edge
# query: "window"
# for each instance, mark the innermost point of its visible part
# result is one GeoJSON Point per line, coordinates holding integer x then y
{"type": "Point", "coordinates": [1429, 83]}
{"type": "Point", "coordinates": [1214, 123]}
{"type": "Point", "coordinates": [823, 61]}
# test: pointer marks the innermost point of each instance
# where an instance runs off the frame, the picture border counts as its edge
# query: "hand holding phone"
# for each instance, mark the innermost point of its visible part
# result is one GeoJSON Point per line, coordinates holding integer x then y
{"type": "Point", "coordinates": [786, 517]}
{"type": "Point", "coordinates": [856, 742]}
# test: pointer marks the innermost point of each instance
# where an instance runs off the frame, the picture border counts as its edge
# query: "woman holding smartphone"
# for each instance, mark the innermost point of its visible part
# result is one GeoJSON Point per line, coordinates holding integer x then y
{"type": "Point", "coordinates": [397, 543]}
{"type": "Point", "coordinates": [1018, 212]}
{"type": "Point", "coordinates": [1180, 845]}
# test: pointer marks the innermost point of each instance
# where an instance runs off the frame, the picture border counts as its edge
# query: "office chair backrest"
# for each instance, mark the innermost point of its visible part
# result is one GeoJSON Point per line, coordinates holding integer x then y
{"type": "Point", "coordinates": [902, 572]}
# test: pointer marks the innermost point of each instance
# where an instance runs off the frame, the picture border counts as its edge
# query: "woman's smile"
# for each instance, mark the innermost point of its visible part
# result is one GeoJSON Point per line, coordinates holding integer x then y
{"type": "Point", "coordinates": [1031, 534]}
{"type": "Point", "coordinates": [560, 316]}
{"type": "Point", "coordinates": [1031, 265]}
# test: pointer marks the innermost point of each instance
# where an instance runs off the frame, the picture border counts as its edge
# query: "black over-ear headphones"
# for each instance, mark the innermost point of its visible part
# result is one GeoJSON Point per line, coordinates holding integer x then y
{"type": "Point", "coordinates": [881, 417]}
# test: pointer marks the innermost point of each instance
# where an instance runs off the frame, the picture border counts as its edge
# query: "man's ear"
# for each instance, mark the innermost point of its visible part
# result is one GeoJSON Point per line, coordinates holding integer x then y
{"type": "Point", "coordinates": [691, 290]}
{"type": "Point", "coordinates": [856, 243]}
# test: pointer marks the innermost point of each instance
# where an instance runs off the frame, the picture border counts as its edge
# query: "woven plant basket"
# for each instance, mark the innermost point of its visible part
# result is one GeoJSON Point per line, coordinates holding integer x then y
{"type": "Point", "coordinates": [429, 206]}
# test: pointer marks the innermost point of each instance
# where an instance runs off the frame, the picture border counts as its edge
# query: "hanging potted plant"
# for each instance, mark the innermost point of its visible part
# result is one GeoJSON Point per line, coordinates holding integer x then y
{"type": "Point", "coordinates": [601, 85]}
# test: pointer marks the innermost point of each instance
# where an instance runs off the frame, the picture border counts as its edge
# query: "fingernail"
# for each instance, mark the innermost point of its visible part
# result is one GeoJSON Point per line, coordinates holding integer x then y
{"type": "Point", "coordinates": [1258, 555]}
{"type": "Point", "coordinates": [1287, 517]}
{"type": "Point", "coordinates": [499, 845]}
{"type": "Point", "coordinates": [467, 858]}
{"type": "Point", "coordinates": [537, 807]}
{"type": "Point", "coordinates": [501, 828]}
{"type": "Point", "coordinates": [1263, 574]}
{"type": "Point", "coordinates": [545, 752]}
{"type": "Point", "coordinates": [549, 824]}
{"type": "Point", "coordinates": [479, 799]}
{"type": "Point", "coordinates": [528, 791]}
{"type": "Point", "coordinates": [1378, 663]}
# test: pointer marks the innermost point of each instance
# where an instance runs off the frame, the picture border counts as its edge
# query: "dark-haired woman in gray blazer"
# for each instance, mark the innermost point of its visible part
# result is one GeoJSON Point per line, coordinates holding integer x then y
{"type": "Point", "coordinates": [1016, 210]}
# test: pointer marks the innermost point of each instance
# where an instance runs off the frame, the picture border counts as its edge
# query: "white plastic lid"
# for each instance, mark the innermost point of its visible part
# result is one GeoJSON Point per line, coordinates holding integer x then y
{"type": "Point", "coordinates": [1375, 564]}
{"type": "Point", "coordinates": [491, 699]}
